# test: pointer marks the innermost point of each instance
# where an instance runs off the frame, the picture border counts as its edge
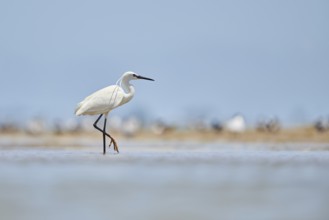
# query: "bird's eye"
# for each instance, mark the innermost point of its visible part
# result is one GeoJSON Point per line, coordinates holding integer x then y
{"type": "Point", "coordinates": [134, 75]}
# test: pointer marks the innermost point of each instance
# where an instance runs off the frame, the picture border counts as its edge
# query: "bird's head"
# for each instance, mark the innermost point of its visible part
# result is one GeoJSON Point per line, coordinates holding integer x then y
{"type": "Point", "coordinates": [134, 76]}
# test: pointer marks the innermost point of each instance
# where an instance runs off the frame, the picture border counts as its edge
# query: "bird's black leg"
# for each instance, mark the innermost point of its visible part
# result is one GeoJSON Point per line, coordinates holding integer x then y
{"type": "Point", "coordinates": [104, 140]}
{"type": "Point", "coordinates": [95, 123]}
{"type": "Point", "coordinates": [104, 133]}
{"type": "Point", "coordinates": [95, 126]}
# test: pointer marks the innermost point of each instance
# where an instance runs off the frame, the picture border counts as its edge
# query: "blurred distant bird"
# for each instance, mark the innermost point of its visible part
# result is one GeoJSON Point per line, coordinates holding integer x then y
{"type": "Point", "coordinates": [106, 99]}
{"type": "Point", "coordinates": [216, 125]}
{"type": "Point", "coordinates": [236, 124]}
{"type": "Point", "coordinates": [271, 125]}
{"type": "Point", "coordinates": [322, 125]}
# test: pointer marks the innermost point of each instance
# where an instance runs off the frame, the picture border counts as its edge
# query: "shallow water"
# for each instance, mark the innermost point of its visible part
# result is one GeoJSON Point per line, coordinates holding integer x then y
{"type": "Point", "coordinates": [165, 180]}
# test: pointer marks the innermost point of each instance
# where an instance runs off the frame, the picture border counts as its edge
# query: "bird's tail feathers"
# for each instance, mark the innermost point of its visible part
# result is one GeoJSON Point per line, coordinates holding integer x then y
{"type": "Point", "coordinates": [78, 111]}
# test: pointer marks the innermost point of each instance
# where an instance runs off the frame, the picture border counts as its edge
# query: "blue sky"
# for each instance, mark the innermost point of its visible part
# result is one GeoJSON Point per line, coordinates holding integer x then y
{"type": "Point", "coordinates": [209, 58]}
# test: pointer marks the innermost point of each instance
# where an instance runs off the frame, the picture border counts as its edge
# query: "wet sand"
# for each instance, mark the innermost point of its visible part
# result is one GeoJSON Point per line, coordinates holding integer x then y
{"type": "Point", "coordinates": [298, 135]}
{"type": "Point", "coordinates": [152, 179]}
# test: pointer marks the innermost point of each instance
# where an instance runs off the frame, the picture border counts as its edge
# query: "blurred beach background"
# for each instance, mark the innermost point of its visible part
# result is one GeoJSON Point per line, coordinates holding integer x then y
{"type": "Point", "coordinates": [235, 126]}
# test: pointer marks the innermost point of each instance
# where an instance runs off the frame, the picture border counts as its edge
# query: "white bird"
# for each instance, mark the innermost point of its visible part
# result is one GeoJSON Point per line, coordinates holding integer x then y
{"type": "Point", "coordinates": [237, 124]}
{"type": "Point", "coordinates": [104, 100]}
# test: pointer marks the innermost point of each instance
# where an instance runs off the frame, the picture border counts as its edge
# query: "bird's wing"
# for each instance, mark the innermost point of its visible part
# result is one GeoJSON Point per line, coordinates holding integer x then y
{"type": "Point", "coordinates": [101, 101]}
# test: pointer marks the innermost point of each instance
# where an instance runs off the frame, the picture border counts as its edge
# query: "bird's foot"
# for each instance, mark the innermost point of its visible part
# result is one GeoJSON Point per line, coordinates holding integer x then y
{"type": "Point", "coordinates": [115, 145]}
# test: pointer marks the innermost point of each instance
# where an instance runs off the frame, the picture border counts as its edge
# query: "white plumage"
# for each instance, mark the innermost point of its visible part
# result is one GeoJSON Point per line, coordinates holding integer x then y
{"type": "Point", "coordinates": [237, 124]}
{"type": "Point", "coordinates": [102, 101]}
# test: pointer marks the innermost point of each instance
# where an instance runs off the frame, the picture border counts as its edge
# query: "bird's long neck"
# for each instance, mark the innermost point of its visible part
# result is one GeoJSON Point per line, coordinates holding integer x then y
{"type": "Point", "coordinates": [128, 88]}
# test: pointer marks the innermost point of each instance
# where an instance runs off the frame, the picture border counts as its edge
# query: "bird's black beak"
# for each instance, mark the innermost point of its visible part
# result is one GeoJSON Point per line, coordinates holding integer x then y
{"type": "Point", "coordinates": [142, 77]}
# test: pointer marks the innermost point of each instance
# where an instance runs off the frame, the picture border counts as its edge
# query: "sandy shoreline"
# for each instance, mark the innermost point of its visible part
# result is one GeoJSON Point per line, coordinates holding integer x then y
{"type": "Point", "coordinates": [293, 139]}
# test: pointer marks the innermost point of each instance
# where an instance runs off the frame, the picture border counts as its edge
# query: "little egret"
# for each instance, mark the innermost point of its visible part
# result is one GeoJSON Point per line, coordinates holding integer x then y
{"type": "Point", "coordinates": [104, 100]}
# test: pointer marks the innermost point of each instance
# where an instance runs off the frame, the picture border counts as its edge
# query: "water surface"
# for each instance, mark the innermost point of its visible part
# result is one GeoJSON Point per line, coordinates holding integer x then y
{"type": "Point", "coordinates": [165, 180]}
